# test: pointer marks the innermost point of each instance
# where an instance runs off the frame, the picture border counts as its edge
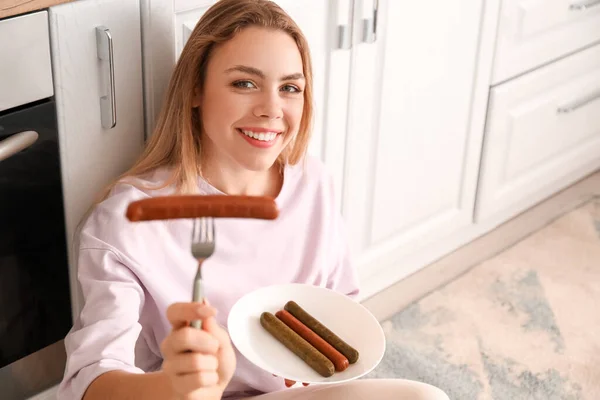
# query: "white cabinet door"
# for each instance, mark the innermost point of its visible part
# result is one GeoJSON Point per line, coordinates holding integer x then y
{"type": "Point", "coordinates": [411, 160]}
{"type": "Point", "coordinates": [91, 154]}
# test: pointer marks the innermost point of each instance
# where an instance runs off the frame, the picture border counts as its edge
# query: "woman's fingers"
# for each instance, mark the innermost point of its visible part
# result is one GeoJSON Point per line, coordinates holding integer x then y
{"type": "Point", "coordinates": [189, 339]}
{"type": "Point", "coordinates": [187, 363]}
{"type": "Point", "coordinates": [180, 314]}
{"type": "Point", "coordinates": [211, 326]}
{"type": "Point", "coordinates": [190, 383]}
{"type": "Point", "coordinates": [289, 382]}
{"type": "Point", "coordinates": [226, 354]}
{"type": "Point", "coordinates": [193, 359]}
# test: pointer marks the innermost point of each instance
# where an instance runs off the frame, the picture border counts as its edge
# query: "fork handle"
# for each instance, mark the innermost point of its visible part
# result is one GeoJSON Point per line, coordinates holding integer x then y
{"type": "Point", "coordinates": [197, 295]}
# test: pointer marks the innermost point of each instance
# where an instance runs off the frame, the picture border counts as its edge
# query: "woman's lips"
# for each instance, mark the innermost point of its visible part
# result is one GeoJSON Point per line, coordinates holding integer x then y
{"type": "Point", "coordinates": [262, 138]}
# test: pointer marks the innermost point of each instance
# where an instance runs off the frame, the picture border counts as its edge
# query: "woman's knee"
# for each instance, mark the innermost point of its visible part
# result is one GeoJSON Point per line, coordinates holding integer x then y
{"type": "Point", "coordinates": [409, 390]}
{"type": "Point", "coordinates": [423, 391]}
{"type": "Point", "coordinates": [362, 389]}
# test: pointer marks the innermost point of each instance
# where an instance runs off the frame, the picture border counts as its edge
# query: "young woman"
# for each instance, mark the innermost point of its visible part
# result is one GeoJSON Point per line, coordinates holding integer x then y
{"type": "Point", "coordinates": [236, 120]}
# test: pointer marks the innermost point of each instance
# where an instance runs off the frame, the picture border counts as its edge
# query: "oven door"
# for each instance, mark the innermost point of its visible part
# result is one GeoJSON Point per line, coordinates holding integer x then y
{"type": "Point", "coordinates": [35, 307]}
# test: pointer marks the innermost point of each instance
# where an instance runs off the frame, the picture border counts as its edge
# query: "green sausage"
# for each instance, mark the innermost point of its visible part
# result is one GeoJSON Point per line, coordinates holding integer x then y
{"type": "Point", "coordinates": [290, 339]}
{"type": "Point", "coordinates": [321, 330]}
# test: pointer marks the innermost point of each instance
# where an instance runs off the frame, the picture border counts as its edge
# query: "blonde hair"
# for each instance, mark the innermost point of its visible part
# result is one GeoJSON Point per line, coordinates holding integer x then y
{"type": "Point", "coordinates": [175, 142]}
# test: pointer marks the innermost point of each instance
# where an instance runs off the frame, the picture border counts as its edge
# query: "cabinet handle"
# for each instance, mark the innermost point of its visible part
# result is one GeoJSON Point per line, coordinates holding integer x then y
{"type": "Point", "coordinates": [370, 25]}
{"type": "Point", "coordinates": [16, 143]}
{"type": "Point", "coordinates": [345, 10]}
{"type": "Point", "coordinates": [584, 5]}
{"type": "Point", "coordinates": [570, 107]}
{"type": "Point", "coordinates": [108, 103]}
{"type": "Point", "coordinates": [345, 37]}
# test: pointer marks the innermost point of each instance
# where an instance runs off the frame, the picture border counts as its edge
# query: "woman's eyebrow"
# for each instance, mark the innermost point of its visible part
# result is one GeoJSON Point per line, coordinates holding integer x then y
{"type": "Point", "coordinates": [257, 72]}
{"type": "Point", "coordinates": [292, 77]}
{"type": "Point", "coordinates": [247, 70]}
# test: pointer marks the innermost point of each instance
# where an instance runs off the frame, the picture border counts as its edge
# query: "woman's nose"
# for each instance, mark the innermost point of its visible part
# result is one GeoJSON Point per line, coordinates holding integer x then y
{"type": "Point", "coordinates": [269, 106]}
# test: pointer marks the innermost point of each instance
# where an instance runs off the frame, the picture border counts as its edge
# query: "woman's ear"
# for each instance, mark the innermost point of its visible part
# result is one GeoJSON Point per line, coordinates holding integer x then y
{"type": "Point", "coordinates": [197, 99]}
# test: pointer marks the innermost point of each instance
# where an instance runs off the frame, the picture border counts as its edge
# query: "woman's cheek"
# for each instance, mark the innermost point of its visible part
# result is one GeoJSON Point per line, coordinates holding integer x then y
{"type": "Point", "coordinates": [295, 113]}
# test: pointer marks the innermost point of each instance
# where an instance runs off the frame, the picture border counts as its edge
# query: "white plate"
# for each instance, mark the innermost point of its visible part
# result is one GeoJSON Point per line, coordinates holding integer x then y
{"type": "Point", "coordinates": [347, 318]}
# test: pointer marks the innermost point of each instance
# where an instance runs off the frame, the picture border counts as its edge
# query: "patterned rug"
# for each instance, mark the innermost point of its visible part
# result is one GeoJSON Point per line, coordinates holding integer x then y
{"type": "Point", "coordinates": [522, 325]}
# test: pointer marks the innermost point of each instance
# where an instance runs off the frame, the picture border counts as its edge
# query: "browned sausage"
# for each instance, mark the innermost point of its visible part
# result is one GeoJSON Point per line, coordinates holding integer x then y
{"type": "Point", "coordinates": [296, 344]}
{"type": "Point", "coordinates": [322, 331]}
{"type": "Point", "coordinates": [195, 206]}
{"type": "Point", "coordinates": [338, 359]}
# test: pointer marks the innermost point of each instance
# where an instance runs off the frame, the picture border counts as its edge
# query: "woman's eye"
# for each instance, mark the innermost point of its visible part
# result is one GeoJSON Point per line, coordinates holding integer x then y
{"type": "Point", "coordinates": [243, 84]}
{"type": "Point", "coordinates": [291, 89]}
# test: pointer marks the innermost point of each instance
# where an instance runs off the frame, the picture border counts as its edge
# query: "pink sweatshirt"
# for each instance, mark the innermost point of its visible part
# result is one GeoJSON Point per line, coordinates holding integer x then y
{"type": "Point", "coordinates": [131, 272]}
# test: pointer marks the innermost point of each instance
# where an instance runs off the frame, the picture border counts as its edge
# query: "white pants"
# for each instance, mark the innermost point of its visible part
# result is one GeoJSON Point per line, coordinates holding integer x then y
{"type": "Point", "coordinates": [367, 389]}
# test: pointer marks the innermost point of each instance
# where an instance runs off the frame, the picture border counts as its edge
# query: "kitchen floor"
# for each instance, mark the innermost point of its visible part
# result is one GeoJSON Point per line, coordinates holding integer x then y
{"type": "Point", "coordinates": [517, 321]}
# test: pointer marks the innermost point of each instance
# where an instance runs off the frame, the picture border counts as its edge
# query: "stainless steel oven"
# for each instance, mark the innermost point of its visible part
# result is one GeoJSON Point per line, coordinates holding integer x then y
{"type": "Point", "coordinates": [35, 304]}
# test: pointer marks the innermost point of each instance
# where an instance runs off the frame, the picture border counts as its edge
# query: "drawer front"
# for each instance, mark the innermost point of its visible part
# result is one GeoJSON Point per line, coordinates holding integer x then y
{"type": "Point", "coordinates": [534, 32]}
{"type": "Point", "coordinates": [543, 132]}
{"type": "Point", "coordinates": [25, 69]}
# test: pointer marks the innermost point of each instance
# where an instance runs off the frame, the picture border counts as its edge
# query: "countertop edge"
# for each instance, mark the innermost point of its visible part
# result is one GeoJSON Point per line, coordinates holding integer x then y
{"type": "Point", "coordinates": [11, 8]}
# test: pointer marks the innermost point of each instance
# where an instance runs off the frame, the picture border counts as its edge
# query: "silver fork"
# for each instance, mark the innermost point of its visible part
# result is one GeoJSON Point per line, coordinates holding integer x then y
{"type": "Point", "coordinates": [203, 246]}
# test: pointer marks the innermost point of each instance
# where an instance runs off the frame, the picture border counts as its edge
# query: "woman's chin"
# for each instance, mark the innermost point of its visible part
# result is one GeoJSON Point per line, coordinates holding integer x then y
{"type": "Point", "coordinates": [259, 164]}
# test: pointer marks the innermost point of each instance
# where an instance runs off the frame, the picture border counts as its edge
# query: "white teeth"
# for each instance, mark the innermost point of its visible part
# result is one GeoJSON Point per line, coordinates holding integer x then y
{"type": "Point", "coordinates": [265, 137]}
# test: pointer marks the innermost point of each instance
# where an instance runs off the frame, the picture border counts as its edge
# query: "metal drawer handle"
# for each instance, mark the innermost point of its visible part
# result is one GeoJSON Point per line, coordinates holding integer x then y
{"type": "Point", "coordinates": [344, 29]}
{"type": "Point", "coordinates": [584, 5]}
{"type": "Point", "coordinates": [344, 37]}
{"type": "Point", "coordinates": [15, 143]}
{"type": "Point", "coordinates": [570, 107]}
{"type": "Point", "coordinates": [370, 25]}
{"type": "Point", "coordinates": [108, 103]}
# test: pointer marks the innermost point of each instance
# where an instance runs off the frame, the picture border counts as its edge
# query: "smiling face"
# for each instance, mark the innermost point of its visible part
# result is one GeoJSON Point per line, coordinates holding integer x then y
{"type": "Point", "coordinates": [252, 100]}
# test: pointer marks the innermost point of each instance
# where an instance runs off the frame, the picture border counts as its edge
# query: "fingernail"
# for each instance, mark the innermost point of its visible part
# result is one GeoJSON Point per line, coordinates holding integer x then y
{"type": "Point", "coordinates": [289, 383]}
{"type": "Point", "coordinates": [206, 302]}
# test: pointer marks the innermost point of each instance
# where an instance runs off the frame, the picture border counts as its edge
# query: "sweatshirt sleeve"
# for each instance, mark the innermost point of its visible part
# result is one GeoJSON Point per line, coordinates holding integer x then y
{"type": "Point", "coordinates": [104, 336]}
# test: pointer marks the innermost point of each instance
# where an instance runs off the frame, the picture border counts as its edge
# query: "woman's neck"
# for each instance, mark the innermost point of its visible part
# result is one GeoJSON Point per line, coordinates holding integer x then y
{"type": "Point", "coordinates": [238, 181]}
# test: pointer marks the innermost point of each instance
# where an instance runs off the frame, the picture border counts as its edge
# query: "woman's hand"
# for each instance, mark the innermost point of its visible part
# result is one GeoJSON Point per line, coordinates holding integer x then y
{"type": "Point", "coordinates": [198, 363]}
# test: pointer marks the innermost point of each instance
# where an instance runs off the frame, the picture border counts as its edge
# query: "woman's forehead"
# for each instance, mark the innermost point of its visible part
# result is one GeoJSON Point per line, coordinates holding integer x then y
{"type": "Point", "coordinates": [268, 50]}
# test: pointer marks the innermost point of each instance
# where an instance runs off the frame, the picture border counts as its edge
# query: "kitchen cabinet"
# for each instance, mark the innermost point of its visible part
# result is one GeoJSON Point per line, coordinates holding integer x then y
{"type": "Point", "coordinates": [96, 54]}
{"type": "Point", "coordinates": [543, 133]}
{"type": "Point", "coordinates": [542, 122]}
{"type": "Point", "coordinates": [411, 160]}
